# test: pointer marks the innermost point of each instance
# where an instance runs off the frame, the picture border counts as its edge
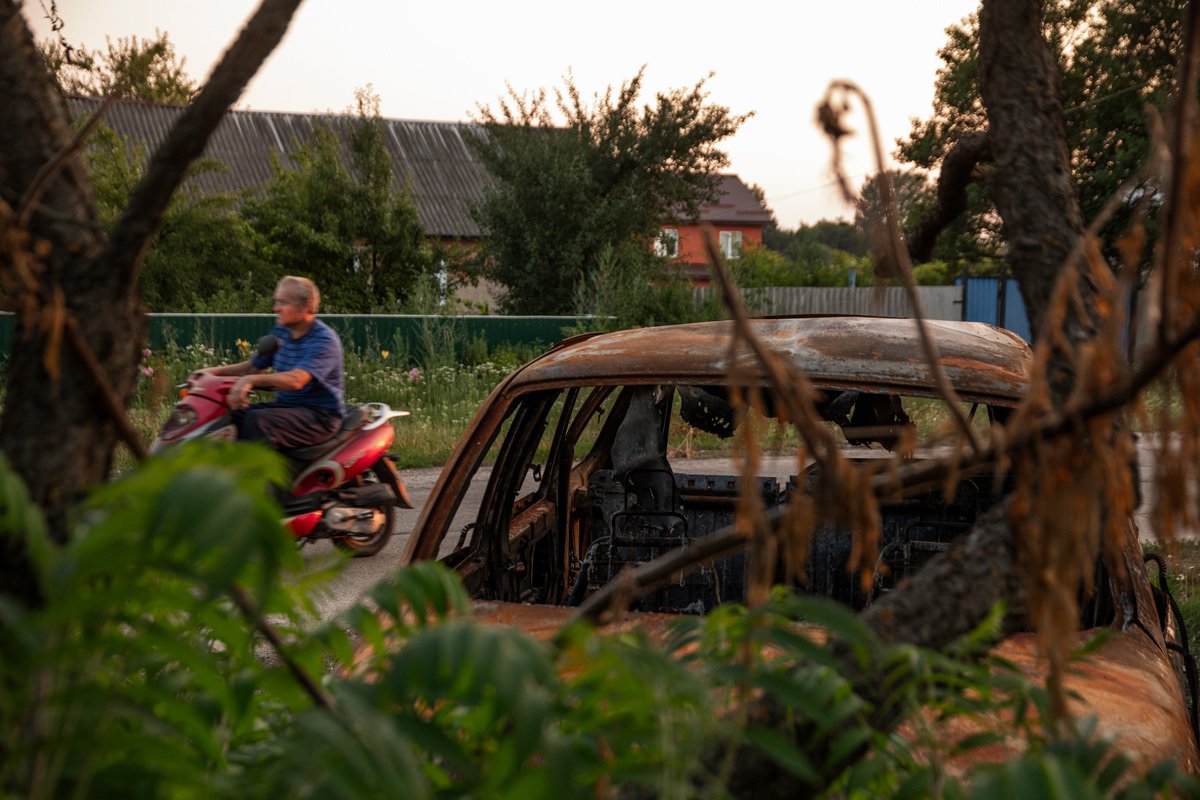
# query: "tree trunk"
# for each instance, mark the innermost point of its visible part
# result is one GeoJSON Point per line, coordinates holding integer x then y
{"type": "Point", "coordinates": [1035, 194]}
{"type": "Point", "coordinates": [56, 429]}
{"type": "Point", "coordinates": [52, 431]}
{"type": "Point", "coordinates": [1032, 185]}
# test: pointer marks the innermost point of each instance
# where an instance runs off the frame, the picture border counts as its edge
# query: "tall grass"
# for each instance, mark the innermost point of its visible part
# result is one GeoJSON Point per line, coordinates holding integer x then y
{"type": "Point", "coordinates": [1183, 580]}
{"type": "Point", "coordinates": [441, 402]}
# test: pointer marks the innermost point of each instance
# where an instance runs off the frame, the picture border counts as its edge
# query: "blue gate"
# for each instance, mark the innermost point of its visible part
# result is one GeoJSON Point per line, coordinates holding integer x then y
{"type": "Point", "coordinates": [997, 301]}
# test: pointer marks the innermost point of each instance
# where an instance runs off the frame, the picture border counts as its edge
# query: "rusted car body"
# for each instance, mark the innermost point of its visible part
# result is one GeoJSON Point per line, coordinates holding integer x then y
{"type": "Point", "coordinates": [570, 473]}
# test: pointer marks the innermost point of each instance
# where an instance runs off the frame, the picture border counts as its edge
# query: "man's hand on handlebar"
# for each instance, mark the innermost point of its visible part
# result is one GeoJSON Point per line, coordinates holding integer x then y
{"type": "Point", "coordinates": [239, 394]}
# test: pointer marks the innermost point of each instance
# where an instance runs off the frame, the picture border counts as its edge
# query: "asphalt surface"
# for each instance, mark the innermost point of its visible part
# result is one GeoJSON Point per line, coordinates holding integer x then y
{"type": "Point", "coordinates": [360, 574]}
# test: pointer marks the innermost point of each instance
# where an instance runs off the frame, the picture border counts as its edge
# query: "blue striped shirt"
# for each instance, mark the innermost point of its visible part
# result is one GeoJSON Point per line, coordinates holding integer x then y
{"type": "Point", "coordinates": [319, 353]}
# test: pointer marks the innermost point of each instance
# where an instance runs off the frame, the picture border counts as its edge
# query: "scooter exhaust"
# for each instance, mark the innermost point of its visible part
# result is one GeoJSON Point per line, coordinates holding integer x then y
{"type": "Point", "coordinates": [376, 494]}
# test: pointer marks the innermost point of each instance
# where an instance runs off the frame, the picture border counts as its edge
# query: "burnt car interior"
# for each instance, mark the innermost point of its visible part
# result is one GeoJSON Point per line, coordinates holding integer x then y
{"type": "Point", "coordinates": [584, 485]}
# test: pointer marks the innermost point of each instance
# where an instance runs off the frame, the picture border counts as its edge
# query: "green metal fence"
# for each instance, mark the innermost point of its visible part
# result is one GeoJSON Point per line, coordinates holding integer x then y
{"type": "Point", "coordinates": [407, 336]}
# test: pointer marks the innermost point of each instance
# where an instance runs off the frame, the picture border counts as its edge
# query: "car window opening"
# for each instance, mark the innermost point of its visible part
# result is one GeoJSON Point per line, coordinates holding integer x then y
{"type": "Point", "coordinates": [589, 485]}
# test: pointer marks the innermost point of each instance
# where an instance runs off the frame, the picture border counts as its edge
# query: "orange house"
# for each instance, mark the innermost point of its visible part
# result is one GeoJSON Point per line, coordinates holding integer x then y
{"type": "Point", "coordinates": [737, 218]}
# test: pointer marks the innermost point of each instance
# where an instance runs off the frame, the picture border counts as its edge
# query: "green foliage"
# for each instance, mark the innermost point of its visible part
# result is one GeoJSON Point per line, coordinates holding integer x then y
{"type": "Point", "coordinates": [135, 676]}
{"type": "Point", "coordinates": [830, 252]}
{"type": "Point", "coordinates": [632, 288]}
{"type": "Point", "coordinates": [938, 273]}
{"type": "Point", "coordinates": [1115, 59]}
{"type": "Point", "coordinates": [204, 256]}
{"type": "Point", "coordinates": [911, 194]}
{"type": "Point", "coordinates": [825, 253]}
{"type": "Point", "coordinates": [342, 221]}
{"type": "Point", "coordinates": [146, 674]}
{"type": "Point", "coordinates": [836, 270]}
{"type": "Point", "coordinates": [442, 400]}
{"type": "Point", "coordinates": [143, 69]}
{"type": "Point", "coordinates": [759, 267]}
{"type": "Point", "coordinates": [810, 242]}
{"type": "Point", "coordinates": [561, 195]}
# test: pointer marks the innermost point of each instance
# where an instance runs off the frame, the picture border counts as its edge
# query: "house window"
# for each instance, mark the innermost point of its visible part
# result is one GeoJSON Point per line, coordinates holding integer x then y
{"type": "Point", "coordinates": [731, 244]}
{"type": "Point", "coordinates": [666, 245]}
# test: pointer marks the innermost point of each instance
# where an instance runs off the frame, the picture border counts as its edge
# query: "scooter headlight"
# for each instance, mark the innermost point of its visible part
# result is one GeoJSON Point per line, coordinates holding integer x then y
{"type": "Point", "coordinates": [182, 418]}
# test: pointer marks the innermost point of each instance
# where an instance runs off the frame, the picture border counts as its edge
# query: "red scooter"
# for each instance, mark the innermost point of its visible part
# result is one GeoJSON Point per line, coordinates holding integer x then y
{"type": "Point", "coordinates": [346, 489]}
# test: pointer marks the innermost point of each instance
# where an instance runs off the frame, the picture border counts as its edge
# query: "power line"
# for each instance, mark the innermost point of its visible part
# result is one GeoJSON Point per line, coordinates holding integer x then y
{"type": "Point", "coordinates": [799, 192]}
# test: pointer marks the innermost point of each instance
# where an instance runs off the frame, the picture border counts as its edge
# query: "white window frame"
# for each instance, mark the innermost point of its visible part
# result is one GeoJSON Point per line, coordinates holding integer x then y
{"type": "Point", "coordinates": [731, 244]}
{"type": "Point", "coordinates": [666, 244]}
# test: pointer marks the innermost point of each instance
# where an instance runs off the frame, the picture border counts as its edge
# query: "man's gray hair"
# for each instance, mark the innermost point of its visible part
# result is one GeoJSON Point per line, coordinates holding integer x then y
{"type": "Point", "coordinates": [304, 291]}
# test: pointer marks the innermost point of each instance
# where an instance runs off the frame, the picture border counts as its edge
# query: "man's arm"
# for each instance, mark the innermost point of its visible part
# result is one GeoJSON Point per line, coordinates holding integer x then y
{"type": "Point", "coordinates": [242, 368]}
{"type": "Point", "coordinates": [290, 381]}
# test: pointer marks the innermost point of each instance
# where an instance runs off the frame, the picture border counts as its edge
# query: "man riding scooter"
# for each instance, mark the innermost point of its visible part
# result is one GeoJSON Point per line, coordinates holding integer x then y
{"type": "Point", "coordinates": [309, 402]}
{"type": "Point", "coordinates": [344, 486]}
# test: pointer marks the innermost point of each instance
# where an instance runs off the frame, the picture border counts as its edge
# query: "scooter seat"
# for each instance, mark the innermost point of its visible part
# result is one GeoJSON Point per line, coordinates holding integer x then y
{"type": "Point", "coordinates": [355, 416]}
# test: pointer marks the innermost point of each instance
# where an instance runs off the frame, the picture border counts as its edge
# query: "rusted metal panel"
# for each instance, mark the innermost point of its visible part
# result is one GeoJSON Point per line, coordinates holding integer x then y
{"type": "Point", "coordinates": [1128, 684]}
{"type": "Point", "coordinates": [545, 622]}
{"type": "Point", "coordinates": [883, 355]}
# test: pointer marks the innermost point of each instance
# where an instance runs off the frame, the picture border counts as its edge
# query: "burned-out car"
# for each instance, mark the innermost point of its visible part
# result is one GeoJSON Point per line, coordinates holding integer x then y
{"type": "Point", "coordinates": [575, 469]}
{"type": "Point", "coordinates": [586, 475]}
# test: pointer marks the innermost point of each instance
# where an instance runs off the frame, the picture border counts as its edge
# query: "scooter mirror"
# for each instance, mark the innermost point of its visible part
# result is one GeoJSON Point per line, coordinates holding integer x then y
{"type": "Point", "coordinates": [268, 344]}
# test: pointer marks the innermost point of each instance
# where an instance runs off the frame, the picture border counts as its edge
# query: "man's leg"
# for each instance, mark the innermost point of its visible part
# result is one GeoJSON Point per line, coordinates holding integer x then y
{"type": "Point", "coordinates": [285, 427]}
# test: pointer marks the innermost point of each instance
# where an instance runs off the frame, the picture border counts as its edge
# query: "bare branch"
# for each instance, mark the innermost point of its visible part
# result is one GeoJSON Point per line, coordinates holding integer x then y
{"type": "Point", "coordinates": [898, 254]}
{"type": "Point", "coordinates": [255, 617]}
{"type": "Point", "coordinates": [956, 174]}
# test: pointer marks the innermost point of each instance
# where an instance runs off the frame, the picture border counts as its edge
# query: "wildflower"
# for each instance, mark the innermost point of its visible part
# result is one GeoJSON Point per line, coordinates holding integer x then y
{"type": "Point", "coordinates": [414, 374]}
{"type": "Point", "coordinates": [384, 353]}
{"type": "Point", "coordinates": [147, 371]}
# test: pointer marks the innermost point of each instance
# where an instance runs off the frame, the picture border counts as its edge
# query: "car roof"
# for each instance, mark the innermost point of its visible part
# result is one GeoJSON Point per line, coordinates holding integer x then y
{"type": "Point", "coordinates": [877, 354]}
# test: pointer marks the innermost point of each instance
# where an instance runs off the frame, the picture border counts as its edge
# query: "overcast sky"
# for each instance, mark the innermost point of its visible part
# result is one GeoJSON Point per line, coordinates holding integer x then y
{"type": "Point", "coordinates": [439, 59]}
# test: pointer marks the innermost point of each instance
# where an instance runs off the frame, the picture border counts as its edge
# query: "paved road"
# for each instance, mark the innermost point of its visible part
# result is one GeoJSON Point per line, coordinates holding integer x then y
{"type": "Point", "coordinates": [361, 573]}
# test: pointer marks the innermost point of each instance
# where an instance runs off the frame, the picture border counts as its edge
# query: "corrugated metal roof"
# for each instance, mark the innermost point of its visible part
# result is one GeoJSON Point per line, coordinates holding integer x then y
{"type": "Point", "coordinates": [445, 175]}
{"type": "Point", "coordinates": [433, 157]}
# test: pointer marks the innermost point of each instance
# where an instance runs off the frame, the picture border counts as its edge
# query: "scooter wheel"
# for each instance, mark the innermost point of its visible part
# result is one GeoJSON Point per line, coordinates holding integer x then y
{"type": "Point", "coordinates": [362, 545]}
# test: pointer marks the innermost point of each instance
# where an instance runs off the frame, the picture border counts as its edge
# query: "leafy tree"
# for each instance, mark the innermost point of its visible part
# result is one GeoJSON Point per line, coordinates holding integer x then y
{"type": "Point", "coordinates": [818, 254]}
{"type": "Point", "coordinates": [910, 193]}
{"type": "Point", "coordinates": [342, 220]}
{"type": "Point", "coordinates": [605, 180]}
{"type": "Point", "coordinates": [143, 69]}
{"type": "Point", "coordinates": [205, 253]}
{"type": "Point", "coordinates": [964, 243]}
{"type": "Point", "coordinates": [812, 241]}
{"type": "Point", "coordinates": [631, 288]}
{"type": "Point", "coordinates": [1115, 59]}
